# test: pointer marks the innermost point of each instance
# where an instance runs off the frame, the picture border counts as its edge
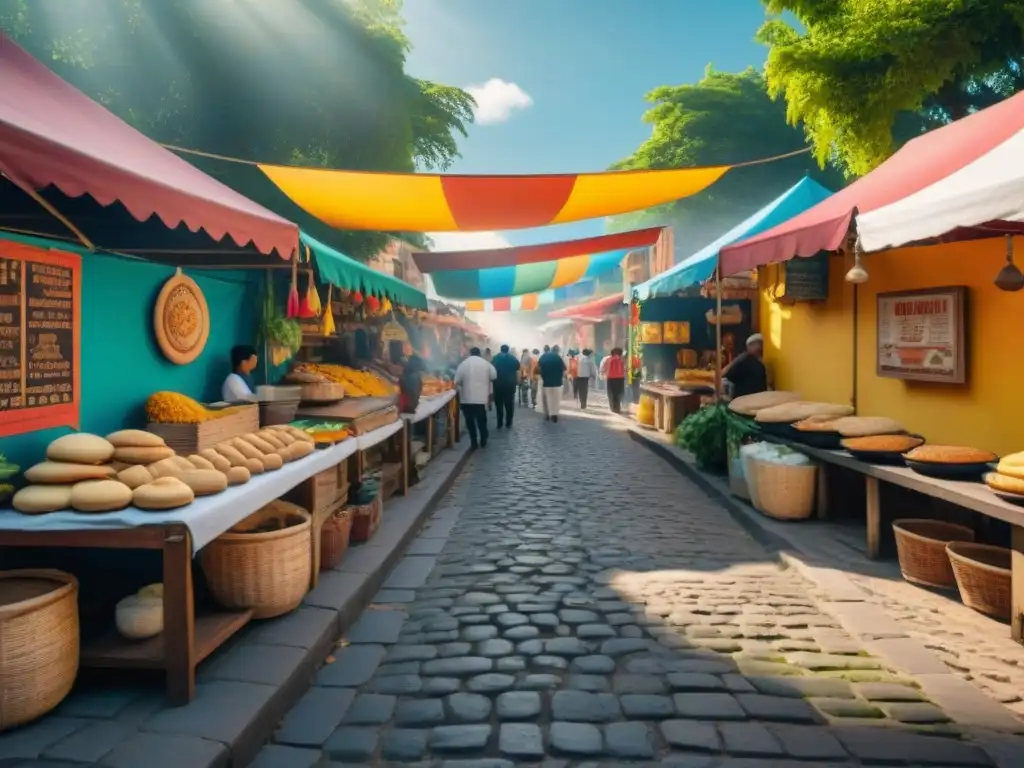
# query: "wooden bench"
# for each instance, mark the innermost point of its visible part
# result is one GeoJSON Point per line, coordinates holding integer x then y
{"type": "Point", "coordinates": [972, 496]}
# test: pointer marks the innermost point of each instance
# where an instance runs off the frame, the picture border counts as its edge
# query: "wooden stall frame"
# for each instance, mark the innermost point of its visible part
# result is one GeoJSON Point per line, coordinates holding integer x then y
{"type": "Point", "coordinates": [187, 639]}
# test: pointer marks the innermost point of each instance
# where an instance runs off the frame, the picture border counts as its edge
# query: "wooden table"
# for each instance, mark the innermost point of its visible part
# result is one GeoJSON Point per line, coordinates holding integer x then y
{"type": "Point", "coordinates": [973, 496]}
{"type": "Point", "coordinates": [670, 406]}
{"type": "Point", "coordinates": [188, 638]}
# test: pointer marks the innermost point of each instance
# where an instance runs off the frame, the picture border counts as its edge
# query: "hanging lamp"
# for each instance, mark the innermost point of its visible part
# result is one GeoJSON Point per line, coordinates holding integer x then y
{"type": "Point", "coordinates": [1010, 278]}
{"type": "Point", "coordinates": [857, 274]}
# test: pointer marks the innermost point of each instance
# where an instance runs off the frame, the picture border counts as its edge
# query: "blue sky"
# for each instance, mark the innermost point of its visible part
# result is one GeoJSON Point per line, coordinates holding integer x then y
{"type": "Point", "coordinates": [573, 76]}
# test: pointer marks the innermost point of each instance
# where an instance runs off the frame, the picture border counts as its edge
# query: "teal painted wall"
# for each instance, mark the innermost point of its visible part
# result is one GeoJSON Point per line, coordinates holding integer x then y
{"type": "Point", "coordinates": [121, 364]}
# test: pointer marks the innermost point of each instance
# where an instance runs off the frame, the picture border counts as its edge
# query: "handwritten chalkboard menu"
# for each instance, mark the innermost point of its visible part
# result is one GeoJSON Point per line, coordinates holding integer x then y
{"type": "Point", "coordinates": [40, 322]}
{"type": "Point", "coordinates": [807, 279]}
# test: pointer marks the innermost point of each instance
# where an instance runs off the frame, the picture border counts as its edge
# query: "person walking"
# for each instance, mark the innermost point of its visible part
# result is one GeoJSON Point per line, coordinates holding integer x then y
{"type": "Point", "coordinates": [490, 398]}
{"type": "Point", "coordinates": [473, 377]}
{"type": "Point", "coordinates": [552, 374]}
{"type": "Point", "coordinates": [525, 370]}
{"type": "Point", "coordinates": [586, 372]}
{"type": "Point", "coordinates": [507, 368]}
{"type": "Point", "coordinates": [573, 363]}
{"type": "Point", "coordinates": [534, 377]}
{"type": "Point", "coordinates": [613, 368]}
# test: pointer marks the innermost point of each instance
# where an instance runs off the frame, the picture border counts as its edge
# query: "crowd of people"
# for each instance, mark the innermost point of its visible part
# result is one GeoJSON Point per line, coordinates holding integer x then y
{"type": "Point", "coordinates": [536, 379]}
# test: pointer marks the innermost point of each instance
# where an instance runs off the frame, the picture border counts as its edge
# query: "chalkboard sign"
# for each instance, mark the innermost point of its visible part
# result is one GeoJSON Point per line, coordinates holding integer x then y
{"type": "Point", "coordinates": [40, 323]}
{"type": "Point", "coordinates": [807, 279]}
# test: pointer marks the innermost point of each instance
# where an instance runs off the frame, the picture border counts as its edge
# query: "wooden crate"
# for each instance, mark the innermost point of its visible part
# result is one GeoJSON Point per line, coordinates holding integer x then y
{"type": "Point", "coordinates": [186, 439]}
{"type": "Point", "coordinates": [375, 420]}
{"type": "Point", "coordinates": [390, 480]}
{"type": "Point", "coordinates": [317, 493]}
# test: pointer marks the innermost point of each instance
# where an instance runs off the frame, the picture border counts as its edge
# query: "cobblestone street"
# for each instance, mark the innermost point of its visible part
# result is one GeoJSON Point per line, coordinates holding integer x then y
{"type": "Point", "coordinates": [576, 601]}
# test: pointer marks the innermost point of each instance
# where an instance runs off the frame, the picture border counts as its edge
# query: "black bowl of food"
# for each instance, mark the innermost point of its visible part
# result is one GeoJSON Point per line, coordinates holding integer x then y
{"type": "Point", "coordinates": [950, 462]}
{"type": "Point", "coordinates": [881, 449]}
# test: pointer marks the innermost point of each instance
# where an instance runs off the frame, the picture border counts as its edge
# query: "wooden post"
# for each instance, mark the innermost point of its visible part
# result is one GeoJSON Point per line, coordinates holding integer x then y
{"type": "Point", "coordinates": [405, 458]}
{"type": "Point", "coordinates": [430, 434]}
{"type": "Point", "coordinates": [450, 423]}
{"type": "Point", "coordinates": [873, 514]}
{"type": "Point", "coordinates": [822, 491]}
{"type": "Point", "coordinates": [718, 332]}
{"type": "Point", "coordinates": [1017, 590]}
{"type": "Point", "coordinates": [179, 616]}
{"type": "Point", "coordinates": [458, 419]}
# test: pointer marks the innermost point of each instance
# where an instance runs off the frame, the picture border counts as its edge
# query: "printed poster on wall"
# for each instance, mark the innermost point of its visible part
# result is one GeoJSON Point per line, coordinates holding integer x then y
{"type": "Point", "coordinates": [40, 327]}
{"type": "Point", "coordinates": [921, 335]}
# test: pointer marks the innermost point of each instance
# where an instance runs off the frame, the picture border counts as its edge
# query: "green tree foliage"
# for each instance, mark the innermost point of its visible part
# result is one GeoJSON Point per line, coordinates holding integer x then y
{"type": "Point", "coordinates": [724, 118]}
{"type": "Point", "coordinates": [862, 76]}
{"type": "Point", "coordinates": [311, 82]}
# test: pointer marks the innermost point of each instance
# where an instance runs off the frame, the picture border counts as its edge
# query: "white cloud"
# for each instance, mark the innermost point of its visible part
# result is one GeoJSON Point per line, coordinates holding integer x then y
{"type": "Point", "coordinates": [467, 241]}
{"type": "Point", "coordinates": [497, 99]}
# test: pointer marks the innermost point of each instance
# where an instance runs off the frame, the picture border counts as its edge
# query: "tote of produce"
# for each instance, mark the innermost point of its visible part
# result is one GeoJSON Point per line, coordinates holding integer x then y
{"type": "Point", "coordinates": [324, 432]}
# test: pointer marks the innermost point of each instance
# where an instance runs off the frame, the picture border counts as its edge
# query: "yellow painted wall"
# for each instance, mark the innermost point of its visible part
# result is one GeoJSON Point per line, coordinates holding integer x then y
{"type": "Point", "coordinates": [808, 347]}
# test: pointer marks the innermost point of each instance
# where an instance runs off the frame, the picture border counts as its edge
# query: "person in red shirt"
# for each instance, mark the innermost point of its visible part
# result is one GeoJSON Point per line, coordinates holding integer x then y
{"type": "Point", "coordinates": [613, 369]}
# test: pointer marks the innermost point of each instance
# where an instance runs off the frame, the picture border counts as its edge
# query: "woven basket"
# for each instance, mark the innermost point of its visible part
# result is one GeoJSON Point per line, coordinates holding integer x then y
{"type": "Point", "coordinates": [334, 538]}
{"type": "Point", "coordinates": [737, 479]}
{"type": "Point", "coordinates": [365, 519]}
{"type": "Point", "coordinates": [265, 571]}
{"type": "Point", "coordinates": [983, 575]}
{"type": "Point", "coordinates": [921, 547]}
{"type": "Point", "coordinates": [786, 491]}
{"type": "Point", "coordinates": [750, 466]}
{"type": "Point", "coordinates": [38, 642]}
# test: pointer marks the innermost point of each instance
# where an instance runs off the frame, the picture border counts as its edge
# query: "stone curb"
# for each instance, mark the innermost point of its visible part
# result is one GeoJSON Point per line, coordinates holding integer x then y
{"type": "Point", "coordinates": [984, 718]}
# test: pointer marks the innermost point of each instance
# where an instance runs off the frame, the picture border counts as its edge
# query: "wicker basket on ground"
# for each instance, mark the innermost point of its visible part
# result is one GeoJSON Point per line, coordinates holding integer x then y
{"type": "Point", "coordinates": [38, 642]}
{"type": "Point", "coordinates": [365, 519]}
{"type": "Point", "coordinates": [750, 465]}
{"type": "Point", "coordinates": [334, 538]}
{"type": "Point", "coordinates": [737, 479]}
{"type": "Point", "coordinates": [921, 547]}
{"type": "Point", "coordinates": [982, 573]}
{"type": "Point", "coordinates": [263, 563]}
{"type": "Point", "coordinates": [785, 491]}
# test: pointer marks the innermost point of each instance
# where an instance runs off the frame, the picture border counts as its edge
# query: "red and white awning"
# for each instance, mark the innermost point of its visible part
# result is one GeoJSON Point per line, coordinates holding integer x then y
{"type": "Point", "coordinates": [987, 193]}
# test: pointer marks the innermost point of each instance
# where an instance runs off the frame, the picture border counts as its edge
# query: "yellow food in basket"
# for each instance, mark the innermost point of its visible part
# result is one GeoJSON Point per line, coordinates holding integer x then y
{"type": "Point", "coordinates": [356, 383]}
{"type": "Point", "coordinates": [176, 408]}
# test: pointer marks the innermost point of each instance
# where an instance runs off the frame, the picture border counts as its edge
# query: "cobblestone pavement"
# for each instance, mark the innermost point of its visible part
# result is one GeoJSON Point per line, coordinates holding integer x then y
{"type": "Point", "coordinates": [575, 601]}
{"type": "Point", "coordinates": [972, 646]}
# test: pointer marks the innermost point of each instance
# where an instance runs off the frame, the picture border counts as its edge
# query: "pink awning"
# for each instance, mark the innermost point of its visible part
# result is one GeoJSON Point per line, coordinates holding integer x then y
{"type": "Point", "coordinates": [920, 163]}
{"type": "Point", "coordinates": [590, 309]}
{"type": "Point", "coordinates": [53, 134]}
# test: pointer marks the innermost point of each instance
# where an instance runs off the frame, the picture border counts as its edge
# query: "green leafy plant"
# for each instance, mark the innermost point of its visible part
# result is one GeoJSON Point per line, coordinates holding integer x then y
{"type": "Point", "coordinates": [7, 469]}
{"type": "Point", "coordinates": [713, 435]}
{"type": "Point", "coordinates": [276, 329]}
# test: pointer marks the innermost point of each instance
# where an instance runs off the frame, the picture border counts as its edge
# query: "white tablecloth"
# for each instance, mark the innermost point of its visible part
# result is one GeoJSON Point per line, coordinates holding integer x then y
{"type": "Point", "coordinates": [429, 406]}
{"type": "Point", "coordinates": [207, 517]}
{"type": "Point", "coordinates": [378, 435]}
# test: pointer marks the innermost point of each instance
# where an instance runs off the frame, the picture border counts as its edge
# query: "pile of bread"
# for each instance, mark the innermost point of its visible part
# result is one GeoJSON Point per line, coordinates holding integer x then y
{"type": "Point", "coordinates": [1009, 475]}
{"type": "Point", "coordinates": [89, 473]}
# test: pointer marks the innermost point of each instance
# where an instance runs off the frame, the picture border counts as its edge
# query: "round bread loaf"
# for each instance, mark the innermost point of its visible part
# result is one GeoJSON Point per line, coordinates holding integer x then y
{"type": "Point", "coordinates": [247, 450]}
{"type": "Point", "coordinates": [183, 464]}
{"type": "Point", "coordinates": [39, 499]}
{"type": "Point", "coordinates": [164, 493]}
{"type": "Point", "coordinates": [271, 462]}
{"type": "Point", "coordinates": [219, 462]}
{"type": "Point", "coordinates": [135, 476]}
{"type": "Point", "coordinates": [135, 438]}
{"type": "Point", "coordinates": [238, 476]}
{"type": "Point", "coordinates": [749, 405]}
{"type": "Point", "coordinates": [205, 482]}
{"type": "Point", "coordinates": [285, 438]}
{"type": "Point", "coordinates": [1009, 469]}
{"type": "Point", "coordinates": [80, 448]}
{"type": "Point", "coordinates": [300, 449]}
{"type": "Point", "coordinates": [62, 473]}
{"type": "Point", "coordinates": [257, 442]}
{"type": "Point", "coordinates": [230, 453]}
{"type": "Point", "coordinates": [166, 468]}
{"type": "Point", "coordinates": [100, 496]}
{"type": "Point", "coordinates": [1005, 483]}
{"type": "Point", "coordinates": [255, 466]}
{"type": "Point", "coordinates": [271, 438]}
{"type": "Point", "coordinates": [198, 462]}
{"type": "Point", "coordinates": [140, 455]}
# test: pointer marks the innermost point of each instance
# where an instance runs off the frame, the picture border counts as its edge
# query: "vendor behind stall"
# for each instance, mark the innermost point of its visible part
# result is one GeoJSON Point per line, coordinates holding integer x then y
{"type": "Point", "coordinates": [410, 384]}
{"type": "Point", "coordinates": [746, 374]}
{"type": "Point", "coordinates": [239, 386]}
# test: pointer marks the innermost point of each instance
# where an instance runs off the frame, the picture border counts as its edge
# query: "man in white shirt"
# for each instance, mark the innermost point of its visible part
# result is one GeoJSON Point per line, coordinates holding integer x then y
{"type": "Point", "coordinates": [473, 377]}
{"type": "Point", "coordinates": [238, 386]}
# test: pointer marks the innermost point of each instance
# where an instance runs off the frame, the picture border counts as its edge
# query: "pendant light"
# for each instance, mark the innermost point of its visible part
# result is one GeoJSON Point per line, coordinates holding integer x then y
{"type": "Point", "coordinates": [857, 274]}
{"type": "Point", "coordinates": [1010, 277]}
